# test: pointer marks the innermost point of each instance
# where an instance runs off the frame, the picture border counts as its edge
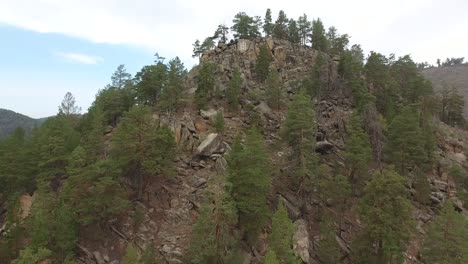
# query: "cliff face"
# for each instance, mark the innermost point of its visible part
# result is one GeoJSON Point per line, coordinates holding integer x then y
{"type": "Point", "coordinates": [165, 218]}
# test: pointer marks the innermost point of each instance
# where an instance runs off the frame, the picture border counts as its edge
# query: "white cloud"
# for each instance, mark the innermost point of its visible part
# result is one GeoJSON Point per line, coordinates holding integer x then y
{"type": "Point", "coordinates": [79, 58]}
{"type": "Point", "coordinates": [170, 27]}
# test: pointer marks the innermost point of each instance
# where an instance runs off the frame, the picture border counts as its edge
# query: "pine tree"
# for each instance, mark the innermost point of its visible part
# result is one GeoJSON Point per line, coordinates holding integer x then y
{"type": "Point", "coordinates": [328, 251]}
{"type": "Point", "coordinates": [319, 39]}
{"type": "Point", "coordinates": [121, 78]}
{"type": "Point", "coordinates": [131, 255]}
{"type": "Point", "coordinates": [281, 238]}
{"type": "Point", "coordinates": [447, 239]}
{"type": "Point", "coordinates": [234, 91]}
{"type": "Point", "coordinates": [262, 66]}
{"type": "Point", "coordinates": [273, 90]}
{"type": "Point", "coordinates": [141, 148]}
{"type": "Point", "coordinates": [270, 258]}
{"type": "Point", "coordinates": [205, 86]}
{"type": "Point", "coordinates": [68, 105]}
{"type": "Point", "coordinates": [249, 174]}
{"type": "Point", "coordinates": [293, 32]}
{"type": "Point", "coordinates": [386, 212]}
{"type": "Point", "coordinates": [422, 188]}
{"type": "Point", "coordinates": [219, 122]}
{"type": "Point", "coordinates": [300, 133]}
{"type": "Point", "coordinates": [171, 96]}
{"type": "Point", "coordinates": [280, 31]}
{"type": "Point", "coordinates": [196, 52]}
{"type": "Point", "coordinates": [150, 82]}
{"type": "Point", "coordinates": [304, 27]}
{"type": "Point", "coordinates": [358, 155]}
{"type": "Point", "coordinates": [245, 26]}
{"type": "Point", "coordinates": [113, 102]}
{"type": "Point", "coordinates": [30, 255]}
{"type": "Point", "coordinates": [268, 26]}
{"type": "Point", "coordinates": [405, 147]}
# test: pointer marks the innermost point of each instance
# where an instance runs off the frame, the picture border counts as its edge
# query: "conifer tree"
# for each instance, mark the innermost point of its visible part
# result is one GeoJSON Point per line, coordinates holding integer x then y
{"type": "Point", "coordinates": [262, 66]}
{"type": "Point", "coordinates": [150, 82]}
{"type": "Point", "coordinates": [113, 102]}
{"type": "Point", "coordinates": [280, 31]}
{"type": "Point", "coordinates": [304, 28]}
{"type": "Point", "coordinates": [293, 32]}
{"type": "Point", "coordinates": [386, 213]}
{"type": "Point", "coordinates": [270, 258]}
{"type": "Point", "coordinates": [447, 239]}
{"type": "Point", "coordinates": [68, 106]}
{"type": "Point", "coordinates": [273, 90]}
{"type": "Point", "coordinates": [120, 78]}
{"type": "Point", "coordinates": [171, 96]}
{"type": "Point", "coordinates": [405, 147]}
{"type": "Point", "coordinates": [249, 174]}
{"type": "Point", "coordinates": [300, 133]}
{"type": "Point", "coordinates": [319, 39]}
{"type": "Point", "coordinates": [131, 255]}
{"type": "Point", "coordinates": [245, 26]}
{"type": "Point", "coordinates": [205, 86]}
{"type": "Point", "coordinates": [268, 26]}
{"type": "Point", "coordinates": [358, 155]}
{"type": "Point", "coordinates": [141, 148]}
{"type": "Point", "coordinates": [219, 122]}
{"type": "Point", "coordinates": [234, 90]}
{"type": "Point", "coordinates": [422, 188]}
{"type": "Point", "coordinates": [282, 232]}
{"type": "Point", "coordinates": [328, 251]}
{"type": "Point", "coordinates": [196, 52]}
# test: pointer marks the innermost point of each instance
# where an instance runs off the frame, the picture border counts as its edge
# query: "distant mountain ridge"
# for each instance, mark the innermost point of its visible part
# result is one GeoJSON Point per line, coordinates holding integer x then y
{"type": "Point", "coordinates": [10, 120]}
{"type": "Point", "coordinates": [455, 76]}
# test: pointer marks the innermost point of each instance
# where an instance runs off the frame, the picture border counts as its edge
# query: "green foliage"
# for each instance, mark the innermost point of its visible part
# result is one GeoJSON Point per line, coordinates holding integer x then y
{"type": "Point", "coordinates": [358, 155]}
{"type": "Point", "coordinates": [205, 86]}
{"type": "Point", "coordinates": [150, 81]}
{"type": "Point", "coordinates": [299, 132]}
{"type": "Point", "coordinates": [268, 26]}
{"type": "Point", "coordinates": [447, 238]}
{"type": "Point", "coordinates": [66, 231]}
{"type": "Point", "coordinates": [273, 90]}
{"type": "Point", "coordinates": [262, 66]}
{"type": "Point", "coordinates": [131, 255]}
{"type": "Point", "coordinates": [149, 255]}
{"type": "Point", "coordinates": [336, 41]}
{"type": "Point", "coordinates": [244, 26]}
{"type": "Point", "coordinates": [280, 31]}
{"type": "Point", "coordinates": [281, 238]}
{"type": "Point", "coordinates": [68, 106]}
{"type": "Point", "coordinates": [315, 85]}
{"type": "Point", "coordinates": [423, 189]}
{"type": "Point", "coordinates": [304, 29]}
{"type": "Point", "coordinates": [386, 213]}
{"type": "Point", "coordinates": [121, 78]}
{"type": "Point", "coordinates": [461, 178]}
{"type": "Point", "coordinates": [30, 255]}
{"type": "Point", "coordinates": [249, 174]}
{"type": "Point", "coordinates": [141, 149]}
{"type": "Point", "coordinates": [293, 32]}
{"type": "Point", "coordinates": [171, 96]}
{"type": "Point", "coordinates": [112, 102]}
{"type": "Point", "coordinates": [270, 258]}
{"type": "Point", "coordinates": [319, 39]}
{"type": "Point", "coordinates": [10, 121]}
{"type": "Point", "coordinates": [405, 146]}
{"type": "Point", "coordinates": [452, 104]}
{"type": "Point", "coordinates": [219, 122]}
{"type": "Point", "coordinates": [328, 251]}
{"type": "Point", "coordinates": [214, 237]}
{"type": "Point", "coordinates": [234, 91]}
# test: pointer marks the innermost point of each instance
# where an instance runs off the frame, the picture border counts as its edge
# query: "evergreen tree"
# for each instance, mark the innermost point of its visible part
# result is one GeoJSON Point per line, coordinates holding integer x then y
{"type": "Point", "coordinates": [249, 174]}
{"type": "Point", "coordinates": [262, 66]}
{"type": "Point", "coordinates": [293, 32]}
{"type": "Point", "coordinates": [171, 96]}
{"type": "Point", "coordinates": [300, 132]}
{"type": "Point", "coordinates": [422, 188]}
{"type": "Point", "coordinates": [131, 255]}
{"type": "Point", "coordinates": [337, 42]}
{"type": "Point", "coordinates": [273, 90]}
{"type": "Point", "coordinates": [281, 238]}
{"type": "Point", "coordinates": [221, 33]}
{"type": "Point", "coordinates": [447, 239]}
{"type": "Point", "coordinates": [112, 102]}
{"type": "Point", "coordinates": [205, 86]}
{"type": "Point", "coordinates": [234, 91]}
{"type": "Point", "coordinates": [30, 255]}
{"type": "Point", "coordinates": [219, 122]}
{"type": "Point", "coordinates": [196, 52]}
{"type": "Point", "coordinates": [386, 213]}
{"type": "Point", "coordinates": [270, 258]}
{"type": "Point", "coordinates": [280, 31]}
{"type": "Point", "coordinates": [328, 251]}
{"type": "Point", "coordinates": [358, 155]}
{"type": "Point", "coordinates": [141, 148]}
{"type": "Point", "coordinates": [319, 39]}
{"type": "Point", "coordinates": [304, 28]}
{"type": "Point", "coordinates": [68, 105]}
{"type": "Point", "coordinates": [121, 78]}
{"type": "Point", "coordinates": [315, 85]}
{"type": "Point", "coordinates": [150, 82]}
{"type": "Point", "coordinates": [268, 26]}
{"type": "Point", "coordinates": [245, 26]}
{"type": "Point", "coordinates": [405, 146]}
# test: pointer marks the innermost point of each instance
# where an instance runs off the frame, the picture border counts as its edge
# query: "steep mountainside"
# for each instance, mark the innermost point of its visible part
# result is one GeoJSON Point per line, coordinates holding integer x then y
{"type": "Point", "coordinates": [455, 76]}
{"type": "Point", "coordinates": [9, 121]}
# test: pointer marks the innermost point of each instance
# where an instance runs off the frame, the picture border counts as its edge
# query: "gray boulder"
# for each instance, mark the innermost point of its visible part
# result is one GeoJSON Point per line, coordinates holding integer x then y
{"type": "Point", "coordinates": [211, 145]}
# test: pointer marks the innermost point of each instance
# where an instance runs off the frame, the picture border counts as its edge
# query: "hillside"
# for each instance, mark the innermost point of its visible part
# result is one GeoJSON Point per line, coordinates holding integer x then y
{"type": "Point", "coordinates": [10, 120]}
{"type": "Point", "coordinates": [455, 76]}
{"type": "Point", "coordinates": [276, 148]}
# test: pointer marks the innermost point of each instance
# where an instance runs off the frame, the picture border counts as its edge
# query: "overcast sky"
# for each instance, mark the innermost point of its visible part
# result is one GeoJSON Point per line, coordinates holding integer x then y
{"type": "Point", "coordinates": [49, 47]}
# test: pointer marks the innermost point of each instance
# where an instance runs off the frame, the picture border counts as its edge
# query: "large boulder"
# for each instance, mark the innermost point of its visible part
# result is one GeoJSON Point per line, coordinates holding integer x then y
{"type": "Point", "coordinates": [208, 114]}
{"type": "Point", "coordinates": [265, 110]}
{"type": "Point", "coordinates": [212, 144]}
{"type": "Point", "coordinates": [301, 242]}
